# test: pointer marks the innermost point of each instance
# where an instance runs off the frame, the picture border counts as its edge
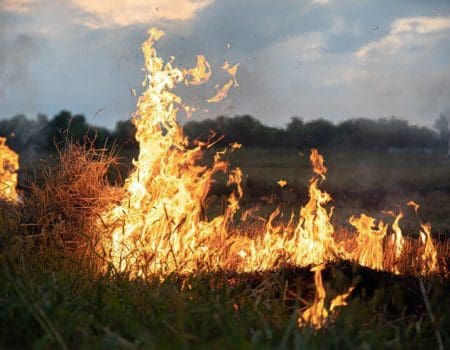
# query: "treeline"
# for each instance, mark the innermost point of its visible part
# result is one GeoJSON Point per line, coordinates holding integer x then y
{"type": "Point", "coordinates": [44, 135]}
{"type": "Point", "coordinates": [361, 133]}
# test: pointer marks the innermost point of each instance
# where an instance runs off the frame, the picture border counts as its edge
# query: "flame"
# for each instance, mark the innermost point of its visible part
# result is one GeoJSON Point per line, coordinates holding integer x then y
{"type": "Point", "coordinates": [158, 227]}
{"type": "Point", "coordinates": [317, 162]}
{"type": "Point", "coordinates": [9, 165]}
{"type": "Point", "coordinates": [282, 183]}
{"type": "Point", "coordinates": [222, 92]}
{"type": "Point", "coordinates": [317, 314]}
{"type": "Point", "coordinates": [414, 205]}
{"type": "Point", "coordinates": [161, 225]}
{"type": "Point", "coordinates": [200, 74]}
{"type": "Point", "coordinates": [429, 255]}
{"type": "Point", "coordinates": [369, 250]}
{"type": "Point", "coordinates": [398, 241]}
{"type": "Point", "coordinates": [232, 71]}
{"type": "Point", "coordinates": [235, 145]}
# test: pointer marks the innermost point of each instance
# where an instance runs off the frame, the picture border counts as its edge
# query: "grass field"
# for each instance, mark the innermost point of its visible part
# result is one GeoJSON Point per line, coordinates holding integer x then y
{"type": "Point", "coordinates": [52, 298]}
{"type": "Point", "coordinates": [358, 182]}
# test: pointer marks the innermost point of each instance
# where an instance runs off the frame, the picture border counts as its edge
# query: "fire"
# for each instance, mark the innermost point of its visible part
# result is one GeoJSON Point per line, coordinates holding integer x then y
{"type": "Point", "coordinates": [161, 226]}
{"type": "Point", "coordinates": [317, 315]}
{"type": "Point", "coordinates": [222, 92]}
{"type": "Point", "coordinates": [369, 251]}
{"type": "Point", "coordinates": [398, 241]}
{"type": "Point", "coordinates": [429, 255]}
{"type": "Point", "coordinates": [282, 183]}
{"type": "Point", "coordinates": [200, 74]}
{"type": "Point", "coordinates": [9, 164]}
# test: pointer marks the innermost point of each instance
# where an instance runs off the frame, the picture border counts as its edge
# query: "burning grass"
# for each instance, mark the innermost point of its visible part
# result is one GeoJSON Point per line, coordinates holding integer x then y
{"type": "Point", "coordinates": [147, 265]}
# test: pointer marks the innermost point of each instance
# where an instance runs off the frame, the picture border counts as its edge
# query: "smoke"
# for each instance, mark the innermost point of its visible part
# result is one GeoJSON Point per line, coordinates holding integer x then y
{"type": "Point", "coordinates": [16, 53]}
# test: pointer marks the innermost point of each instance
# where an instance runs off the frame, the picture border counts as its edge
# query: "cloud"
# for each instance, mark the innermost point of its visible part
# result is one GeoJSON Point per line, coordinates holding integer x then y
{"type": "Point", "coordinates": [106, 14]}
{"type": "Point", "coordinates": [304, 48]}
{"type": "Point", "coordinates": [406, 33]}
{"type": "Point", "coordinates": [298, 57]}
{"type": "Point", "coordinates": [16, 6]}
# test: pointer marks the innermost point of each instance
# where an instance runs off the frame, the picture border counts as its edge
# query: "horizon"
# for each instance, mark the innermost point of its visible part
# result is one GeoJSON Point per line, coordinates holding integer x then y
{"type": "Point", "coordinates": [314, 59]}
{"type": "Point", "coordinates": [188, 120]}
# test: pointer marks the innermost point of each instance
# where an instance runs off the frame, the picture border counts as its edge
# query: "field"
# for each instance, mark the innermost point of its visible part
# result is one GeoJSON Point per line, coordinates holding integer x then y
{"type": "Point", "coordinates": [50, 299]}
{"type": "Point", "coordinates": [358, 182]}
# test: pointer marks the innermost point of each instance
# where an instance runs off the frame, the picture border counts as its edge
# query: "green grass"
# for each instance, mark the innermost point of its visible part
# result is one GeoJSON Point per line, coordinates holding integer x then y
{"type": "Point", "coordinates": [57, 308]}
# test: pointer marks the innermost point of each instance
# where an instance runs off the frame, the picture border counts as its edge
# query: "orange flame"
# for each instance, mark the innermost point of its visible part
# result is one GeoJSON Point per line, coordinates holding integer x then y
{"type": "Point", "coordinates": [317, 314]}
{"type": "Point", "coordinates": [9, 165]}
{"type": "Point", "coordinates": [369, 250]}
{"type": "Point", "coordinates": [429, 255]}
{"type": "Point", "coordinates": [160, 226]}
{"type": "Point", "coordinates": [200, 74]}
{"type": "Point", "coordinates": [282, 183]}
{"type": "Point", "coordinates": [414, 205]}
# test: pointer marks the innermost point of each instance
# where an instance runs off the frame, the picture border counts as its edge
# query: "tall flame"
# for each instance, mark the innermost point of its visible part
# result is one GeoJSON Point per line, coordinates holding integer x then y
{"type": "Point", "coordinates": [158, 227]}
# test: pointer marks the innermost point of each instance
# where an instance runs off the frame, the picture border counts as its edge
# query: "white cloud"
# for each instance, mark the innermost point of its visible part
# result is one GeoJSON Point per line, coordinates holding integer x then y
{"type": "Point", "coordinates": [406, 33]}
{"type": "Point", "coordinates": [128, 12]}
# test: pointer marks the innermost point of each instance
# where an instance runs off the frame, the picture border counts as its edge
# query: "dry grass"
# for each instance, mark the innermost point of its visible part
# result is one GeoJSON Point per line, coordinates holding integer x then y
{"type": "Point", "coordinates": [61, 214]}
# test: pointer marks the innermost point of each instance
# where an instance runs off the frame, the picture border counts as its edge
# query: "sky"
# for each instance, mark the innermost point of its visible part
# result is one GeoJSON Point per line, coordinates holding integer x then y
{"type": "Point", "coordinates": [333, 59]}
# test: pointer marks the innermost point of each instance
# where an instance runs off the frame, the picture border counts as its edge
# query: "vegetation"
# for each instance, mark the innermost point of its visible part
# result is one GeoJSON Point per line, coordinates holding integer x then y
{"type": "Point", "coordinates": [56, 291]}
{"type": "Point", "coordinates": [44, 135]}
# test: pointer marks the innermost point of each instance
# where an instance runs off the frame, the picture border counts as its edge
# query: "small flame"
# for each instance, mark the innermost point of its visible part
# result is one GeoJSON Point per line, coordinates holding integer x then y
{"type": "Point", "coordinates": [317, 315]}
{"type": "Point", "coordinates": [398, 241]}
{"type": "Point", "coordinates": [429, 255]}
{"type": "Point", "coordinates": [232, 71]}
{"type": "Point", "coordinates": [221, 92]}
{"type": "Point", "coordinates": [318, 163]}
{"type": "Point", "coordinates": [282, 183]}
{"type": "Point", "coordinates": [369, 250]}
{"type": "Point", "coordinates": [414, 205]}
{"type": "Point", "coordinates": [9, 165]}
{"type": "Point", "coordinates": [200, 74]}
{"type": "Point", "coordinates": [235, 145]}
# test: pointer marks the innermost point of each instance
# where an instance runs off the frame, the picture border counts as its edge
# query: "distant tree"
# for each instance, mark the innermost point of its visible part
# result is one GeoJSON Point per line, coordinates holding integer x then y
{"type": "Point", "coordinates": [124, 134]}
{"type": "Point", "coordinates": [295, 133]}
{"type": "Point", "coordinates": [362, 133]}
{"type": "Point", "coordinates": [65, 126]}
{"type": "Point", "coordinates": [319, 133]}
